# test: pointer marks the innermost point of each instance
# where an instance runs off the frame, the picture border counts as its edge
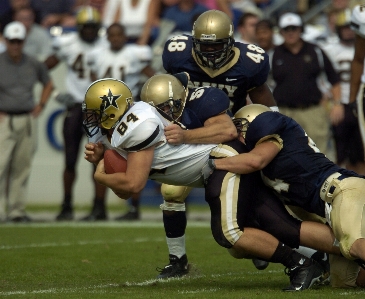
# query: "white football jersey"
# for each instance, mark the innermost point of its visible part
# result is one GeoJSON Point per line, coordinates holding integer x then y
{"type": "Point", "coordinates": [341, 57]}
{"type": "Point", "coordinates": [141, 127]}
{"type": "Point", "coordinates": [125, 65]}
{"type": "Point", "coordinates": [71, 49]}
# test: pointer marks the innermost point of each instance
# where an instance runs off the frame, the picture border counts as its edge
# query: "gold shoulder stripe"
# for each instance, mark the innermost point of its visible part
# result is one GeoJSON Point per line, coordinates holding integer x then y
{"type": "Point", "coordinates": [223, 151]}
{"type": "Point", "coordinates": [275, 138]}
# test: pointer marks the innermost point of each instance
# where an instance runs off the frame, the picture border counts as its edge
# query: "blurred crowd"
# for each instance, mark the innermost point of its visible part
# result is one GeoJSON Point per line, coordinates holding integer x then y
{"type": "Point", "coordinates": [146, 25]}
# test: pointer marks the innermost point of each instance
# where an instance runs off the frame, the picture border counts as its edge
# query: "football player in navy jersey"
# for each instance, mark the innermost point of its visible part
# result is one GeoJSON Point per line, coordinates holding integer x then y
{"type": "Point", "coordinates": [211, 57]}
{"type": "Point", "coordinates": [136, 131]}
{"type": "Point", "coordinates": [302, 176]}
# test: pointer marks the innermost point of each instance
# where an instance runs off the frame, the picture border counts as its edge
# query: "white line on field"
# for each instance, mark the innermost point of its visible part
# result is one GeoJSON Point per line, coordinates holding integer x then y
{"type": "Point", "coordinates": [65, 244]}
{"type": "Point", "coordinates": [112, 224]}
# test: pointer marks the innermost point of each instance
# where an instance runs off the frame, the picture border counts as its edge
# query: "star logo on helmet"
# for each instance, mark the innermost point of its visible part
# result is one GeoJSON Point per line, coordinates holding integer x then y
{"type": "Point", "coordinates": [110, 100]}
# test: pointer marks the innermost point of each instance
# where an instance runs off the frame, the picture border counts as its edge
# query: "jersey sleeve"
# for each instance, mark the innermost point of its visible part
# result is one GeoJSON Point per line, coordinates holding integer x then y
{"type": "Point", "coordinates": [214, 102]}
{"type": "Point", "coordinates": [175, 48]}
{"type": "Point", "coordinates": [256, 62]}
{"type": "Point", "coordinates": [358, 20]}
{"type": "Point", "coordinates": [58, 46]}
{"type": "Point", "coordinates": [143, 135]}
{"type": "Point", "coordinates": [267, 125]}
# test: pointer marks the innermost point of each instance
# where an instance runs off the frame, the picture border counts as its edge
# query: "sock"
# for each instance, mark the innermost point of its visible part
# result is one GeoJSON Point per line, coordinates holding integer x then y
{"type": "Point", "coordinates": [287, 256]}
{"type": "Point", "coordinates": [176, 246]}
{"type": "Point", "coordinates": [175, 224]}
{"type": "Point", "coordinates": [308, 252]}
{"type": "Point", "coordinates": [67, 201]}
{"type": "Point", "coordinates": [99, 203]}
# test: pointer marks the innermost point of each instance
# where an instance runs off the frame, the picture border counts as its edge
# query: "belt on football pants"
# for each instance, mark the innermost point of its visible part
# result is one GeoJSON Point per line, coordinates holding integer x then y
{"type": "Point", "coordinates": [328, 188]}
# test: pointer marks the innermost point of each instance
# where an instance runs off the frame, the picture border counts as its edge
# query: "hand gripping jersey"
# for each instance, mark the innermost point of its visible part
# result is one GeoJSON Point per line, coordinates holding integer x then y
{"type": "Point", "coordinates": [248, 69]}
{"type": "Point", "coordinates": [141, 127]}
{"type": "Point", "coordinates": [299, 170]}
{"type": "Point", "coordinates": [203, 103]}
{"type": "Point", "coordinates": [71, 49]}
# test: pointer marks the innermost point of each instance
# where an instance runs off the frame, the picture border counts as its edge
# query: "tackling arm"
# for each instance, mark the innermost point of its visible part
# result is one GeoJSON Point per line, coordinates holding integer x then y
{"type": "Point", "coordinates": [262, 95]}
{"type": "Point", "coordinates": [134, 179]}
{"type": "Point", "coordinates": [217, 129]}
{"type": "Point", "coordinates": [249, 162]}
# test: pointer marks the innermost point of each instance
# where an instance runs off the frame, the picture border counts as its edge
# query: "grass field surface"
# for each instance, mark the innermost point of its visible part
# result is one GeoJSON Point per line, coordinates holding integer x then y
{"type": "Point", "coordinates": [119, 260]}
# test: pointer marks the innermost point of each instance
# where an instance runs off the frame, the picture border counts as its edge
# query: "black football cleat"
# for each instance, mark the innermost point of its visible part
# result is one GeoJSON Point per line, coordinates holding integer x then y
{"type": "Point", "coordinates": [178, 267]}
{"type": "Point", "coordinates": [95, 215]}
{"type": "Point", "coordinates": [65, 214]}
{"type": "Point", "coordinates": [322, 259]}
{"type": "Point", "coordinates": [260, 264]}
{"type": "Point", "coordinates": [303, 275]}
{"type": "Point", "coordinates": [130, 215]}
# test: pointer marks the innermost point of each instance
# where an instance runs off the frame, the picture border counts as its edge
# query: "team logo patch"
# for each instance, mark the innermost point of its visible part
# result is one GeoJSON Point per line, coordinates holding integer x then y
{"type": "Point", "coordinates": [110, 100]}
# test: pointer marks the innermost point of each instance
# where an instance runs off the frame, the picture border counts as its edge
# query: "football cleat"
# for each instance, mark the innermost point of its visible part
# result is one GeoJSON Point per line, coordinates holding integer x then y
{"type": "Point", "coordinates": [303, 275]}
{"type": "Point", "coordinates": [178, 267]}
{"type": "Point", "coordinates": [323, 260]}
{"type": "Point", "coordinates": [95, 215]}
{"type": "Point", "coordinates": [130, 215]}
{"type": "Point", "coordinates": [65, 214]}
{"type": "Point", "coordinates": [260, 264]}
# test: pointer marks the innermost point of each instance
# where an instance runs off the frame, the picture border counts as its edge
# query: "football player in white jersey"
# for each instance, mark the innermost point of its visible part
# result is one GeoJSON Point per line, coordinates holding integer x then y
{"type": "Point", "coordinates": [122, 61]}
{"type": "Point", "coordinates": [136, 131]}
{"type": "Point", "coordinates": [126, 62]}
{"type": "Point", "coordinates": [72, 48]}
{"type": "Point", "coordinates": [349, 148]}
{"type": "Point", "coordinates": [357, 67]}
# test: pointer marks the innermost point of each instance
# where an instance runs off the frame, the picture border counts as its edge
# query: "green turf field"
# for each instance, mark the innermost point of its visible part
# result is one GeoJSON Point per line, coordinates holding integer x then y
{"type": "Point", "coordinates": [116, 260]}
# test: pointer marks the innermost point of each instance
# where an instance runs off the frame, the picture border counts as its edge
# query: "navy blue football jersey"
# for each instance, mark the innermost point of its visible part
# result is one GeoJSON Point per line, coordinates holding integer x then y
{"type": "Point", "coordinates": [201, 104]}
{"type": "Point", "coordinates": [247, 71]}
{"type": "Point", "coordinates": [299, 170]}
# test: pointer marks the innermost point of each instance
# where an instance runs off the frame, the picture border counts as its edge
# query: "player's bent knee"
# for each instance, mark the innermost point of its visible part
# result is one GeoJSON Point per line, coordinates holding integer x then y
{"type": "Point", "coordinates": [172, 193]}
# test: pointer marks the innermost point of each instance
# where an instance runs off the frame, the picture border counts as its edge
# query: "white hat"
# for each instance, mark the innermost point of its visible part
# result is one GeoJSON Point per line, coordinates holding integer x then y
{"type": "Point", "coordinates": [15, 30]}
{"type": "Point", "coordinates": [290, 19]}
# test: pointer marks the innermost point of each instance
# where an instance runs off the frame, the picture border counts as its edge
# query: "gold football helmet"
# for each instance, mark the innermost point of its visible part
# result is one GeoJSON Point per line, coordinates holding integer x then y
{"type": "Point", "coordinates": [88, 21]}
{"type": "Point", "coordinates": [246, 115]}
{"type": "Point", "coordinates": [213, 38]}
{"type": "Point", "coordinates": [165, 92]}
{"type": "Point", "coordinates": [106, 101]}
{"type": "Point", "coordinates": [343, 20]}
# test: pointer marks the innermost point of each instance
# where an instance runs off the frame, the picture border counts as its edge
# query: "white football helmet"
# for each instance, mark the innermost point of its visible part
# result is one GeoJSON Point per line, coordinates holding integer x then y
{"type": "Point", "coordinates": [246, 115]}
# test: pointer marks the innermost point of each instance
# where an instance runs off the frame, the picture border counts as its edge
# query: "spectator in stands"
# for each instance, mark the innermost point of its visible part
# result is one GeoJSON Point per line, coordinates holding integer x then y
{"type": "Point", "coordinates": [55, 12]}
{"type": "Point", "coordinates": [154, 15]}
{"type": "Point", "coordinates": [18, 111]}
{"type": "Point", "coordinates": [246, 28]}
{"type": "Point", "coordinates": [183, 14]}
{"type": "Point", "coordinates": [38, 42]}
{"type": "Point", "coordinates": [297, 66]}
{"type": "Point", "coordinates": [132, 14]}
{"type": "Point", "coordinates": [235, 8]}
{"type": "Point", "coordinates": [6, 16]}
